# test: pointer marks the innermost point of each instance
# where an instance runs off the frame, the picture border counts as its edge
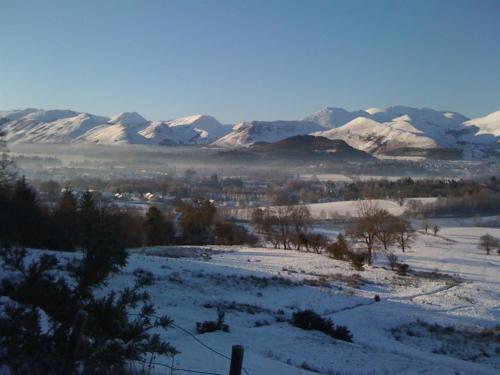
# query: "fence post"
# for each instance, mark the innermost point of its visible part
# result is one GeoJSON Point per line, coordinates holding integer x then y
{"type": "Point", "coordinates": [236, 360]}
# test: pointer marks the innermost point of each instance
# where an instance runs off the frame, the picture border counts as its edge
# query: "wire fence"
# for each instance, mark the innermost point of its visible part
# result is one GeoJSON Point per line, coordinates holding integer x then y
{"type": "Point", "coordinates": [197, 340]}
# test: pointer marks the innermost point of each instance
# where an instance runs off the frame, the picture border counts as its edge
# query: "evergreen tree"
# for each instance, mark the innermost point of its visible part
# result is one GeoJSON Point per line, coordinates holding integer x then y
{"type": "Point", "coordinates": [88, 214]}
{"type": "Point", "coordinates": [196, 220]}
{"type": "Point", "coordinates": [158, 230]}
{"type": "Point", "coordinates": [66, 227]}
{"type": "Point", "coordinates": [26, 215]}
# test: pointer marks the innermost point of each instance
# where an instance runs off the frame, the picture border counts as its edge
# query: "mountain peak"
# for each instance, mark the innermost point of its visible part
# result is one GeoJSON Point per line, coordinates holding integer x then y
{"type": "Point", "coordinates": [128, 119]}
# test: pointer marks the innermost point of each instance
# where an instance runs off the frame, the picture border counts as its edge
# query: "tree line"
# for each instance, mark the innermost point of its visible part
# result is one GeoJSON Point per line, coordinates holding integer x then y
{"type": "Point", "coordinates": [289, 227]}
{"type": "Point", "coordinates": [66, 224]}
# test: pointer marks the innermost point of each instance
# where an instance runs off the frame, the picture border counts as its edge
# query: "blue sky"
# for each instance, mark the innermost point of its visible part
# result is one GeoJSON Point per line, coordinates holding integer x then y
{"type": "Point", "coordinates": [244, 60]}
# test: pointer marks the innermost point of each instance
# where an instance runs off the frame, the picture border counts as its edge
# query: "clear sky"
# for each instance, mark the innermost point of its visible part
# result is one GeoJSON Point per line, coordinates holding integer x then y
{"type": "Point", "coordinates": [245, 60]}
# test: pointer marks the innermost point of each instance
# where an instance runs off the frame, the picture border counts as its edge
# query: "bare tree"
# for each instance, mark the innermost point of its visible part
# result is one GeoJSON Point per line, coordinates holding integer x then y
{"type": "Point", "coordinates": [487, 243]}
{"type": "Point", "coordinates": [386, 226]}
{"type": "Point", "coordinates": [365, 227]}
{"type": "Point", "coordinates": [392, 259]}
{"type": "Point", "coordinates": [316, 242]}
{"type": "Point", "coordinates": [284, 225]}
{"type": "Point", "coordinates": [405, 234]}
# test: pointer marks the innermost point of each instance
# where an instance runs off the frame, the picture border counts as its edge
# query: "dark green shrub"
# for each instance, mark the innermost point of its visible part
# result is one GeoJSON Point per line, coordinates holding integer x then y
{"type": "Point", "coordinates": [357, 260]}
{"type": "Point", "coordinates": [402, 269]}
{"type": "Point", "coordinates": [211, 326]}
{"type": "Point", "coordinates": [310, 320]}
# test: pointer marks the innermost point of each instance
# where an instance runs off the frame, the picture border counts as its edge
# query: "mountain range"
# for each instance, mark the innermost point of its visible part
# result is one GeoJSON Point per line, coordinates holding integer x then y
{"type": "Point", "coordinates": [397, 130]}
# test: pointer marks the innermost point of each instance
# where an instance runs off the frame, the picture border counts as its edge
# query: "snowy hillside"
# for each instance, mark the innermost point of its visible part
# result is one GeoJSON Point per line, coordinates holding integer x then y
{"type": "Point", "coordinates": [335, 117]}
{"type": "Point", "coordinates": [121, 129]}
{"type": "Point", "coordinates": [198, 129]}
{"type": "Point", "coordinates": [247, 133]}
{"type": "Point", "coordinates": [372, 136]}
{"type": "Point", "coordinates": [64, 127]}
{"type": "Point", "coordinates": [432, 321]}
{"type": "Point", "coordinates": [489, 124]}
{"type": "Point", "coordinates": [381, 131]}
{"type": "Point", "coordinates": [397, 130]}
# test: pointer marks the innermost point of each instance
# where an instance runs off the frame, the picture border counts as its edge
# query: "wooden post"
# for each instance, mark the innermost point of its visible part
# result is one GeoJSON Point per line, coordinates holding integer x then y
{"type": "Point", "coordinates": [236, 360]}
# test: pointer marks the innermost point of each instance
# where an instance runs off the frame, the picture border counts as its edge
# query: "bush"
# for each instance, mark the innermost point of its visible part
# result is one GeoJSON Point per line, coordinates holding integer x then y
{"type": "Point", "coordinates": [402, 269]}
{"type": "Point", "coordinates": [310, 320]}
{"type": "Point", "coordinates": [339, 249]}
{"type": "Point", "coordinates": [226, 233]}
{"type": "Point", "coordinates": [357, 260]}
{"type": "Point", "coordinates": [211, 326]}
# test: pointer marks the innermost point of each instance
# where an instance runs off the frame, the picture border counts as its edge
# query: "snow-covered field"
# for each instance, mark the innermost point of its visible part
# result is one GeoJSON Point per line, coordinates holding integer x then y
{"type": "Point", "coordinates": [451, 283]}
{"type": "Point", "coordinates": [350, 208]}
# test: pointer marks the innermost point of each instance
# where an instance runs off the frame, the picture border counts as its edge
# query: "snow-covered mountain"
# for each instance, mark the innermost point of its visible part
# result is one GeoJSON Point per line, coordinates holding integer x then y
{"type": "Point", "coordinates": [246, 134]}
{"type": "Point", "coordinates": [383, 131]}
{"type": "Point", "coordinates": [487, 125]}
{"type": "Point", "coordinates": [334, 117]}
{"type": "Point", "coordinates": [198, 129]}
{"type": "Point", "coordinates": [66, 126]}
{"type": "Point", "coordinates": [391, 131]}
{"type": "Point", "coordinates": [369, 135]}
{"type": "Point", "coordinates": [121, 129]}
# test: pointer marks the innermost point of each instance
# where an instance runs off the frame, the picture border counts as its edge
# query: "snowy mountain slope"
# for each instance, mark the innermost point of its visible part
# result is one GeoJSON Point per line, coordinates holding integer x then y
{"type": "Point", "coordinates": [487, 125]}
{"type": "Point", "coordinates": [371, 136]}
{"type": "Point", "coordinates": [16, 114]}
{"type": "Point", "coordinates": [64, 126]}
{"type": "Point", "coordinates": [245, 134]}
{"type": "Point", "coordinates": [198, 129]}
{"type": "Point", "coordinates": [379, 131]}
{"type": "Point", "coordinates": [63, 130]}
{"type": "Point", "coordinates": [334, 117]}
{"type": "Point", "coordinates": [401, 127]}
{"type": "Point", "coordinates": [121, 129]}
{"type": "Point", "coordinates": [17, 124]}
{"type": "Point", "coordinates": [431, 122]}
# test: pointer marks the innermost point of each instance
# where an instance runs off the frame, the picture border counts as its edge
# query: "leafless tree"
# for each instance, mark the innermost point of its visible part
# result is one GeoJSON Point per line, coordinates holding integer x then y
{"type": "Point", "coordinates": [487, 242]}
{"type": "Point", "coordinates": [405, 234]}
{"type": "Point", "coordinates": [365, 227]}
{"type": "Point", "coordinates": [284, 225]}
{"type": "Point", "coordinates": [387, 228]}
{"type": "Point", "coordinates": [392, 259]}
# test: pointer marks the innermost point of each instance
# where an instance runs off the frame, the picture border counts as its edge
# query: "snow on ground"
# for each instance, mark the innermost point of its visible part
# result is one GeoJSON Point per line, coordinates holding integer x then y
{"type": "Point", "coordinates": [343, 209]}
{"type": "Point", "coordinates": [451, 283]}
{"type": "Point", "coordinates": [350, 208]}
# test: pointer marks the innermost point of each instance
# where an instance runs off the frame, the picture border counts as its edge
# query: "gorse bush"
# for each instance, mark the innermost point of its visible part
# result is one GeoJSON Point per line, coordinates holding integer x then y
{"type": "Point", "coordinates": [310, 320]}
{"type": "Point", "coordinates": [338, 249]}
{"type": "Point", "coordinates": [402, 269]}
{"type": "Point", "coordinates": [357, 260]}
{"type": "Point", "coordinates": [211, 326]}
